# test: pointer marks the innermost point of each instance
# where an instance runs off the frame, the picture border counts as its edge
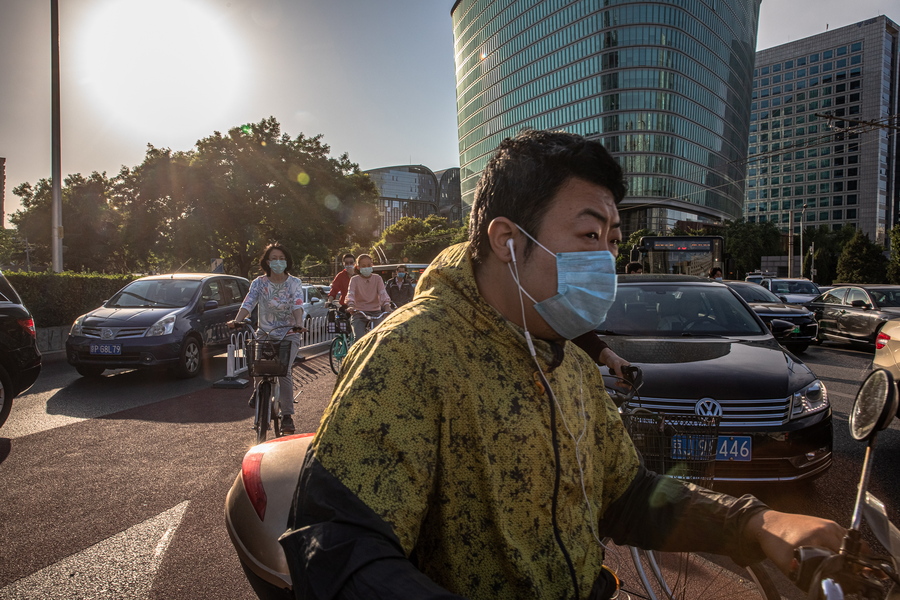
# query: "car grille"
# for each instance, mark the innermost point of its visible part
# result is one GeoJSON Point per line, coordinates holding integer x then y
{"type": "Point", "coordinates": [735, 413]}
{"type": "Point", "coordinates": [117, 332]}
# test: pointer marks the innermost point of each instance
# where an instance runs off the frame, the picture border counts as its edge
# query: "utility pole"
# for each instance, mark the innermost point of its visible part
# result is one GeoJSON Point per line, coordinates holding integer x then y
{"type": "Point", "coordinates": [812, 257]}
{"type": "Point", "coordinates": [56, 168]}
{"type": "Point", "coordinates": [802, 223]}
{"type": "Point", "coordinates": [790, 244]}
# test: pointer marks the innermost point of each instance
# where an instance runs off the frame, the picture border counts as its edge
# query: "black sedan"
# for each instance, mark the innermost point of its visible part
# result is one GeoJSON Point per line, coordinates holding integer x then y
{"type": "Point", "coordinates": [703, 351]}
{"type": "Point", "coordinates": [20, 359]}
{"type": "Point", "coordinates": [855, 313]}
{"type": "Point", "coordinates": [770, 307]}
{"type": "Point", "coordinates": [159, 321]}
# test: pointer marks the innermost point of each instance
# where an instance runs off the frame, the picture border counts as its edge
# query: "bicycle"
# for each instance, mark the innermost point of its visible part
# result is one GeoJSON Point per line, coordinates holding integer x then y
{"type": "Point", "coordinates": [267, 360]}
{"type": "Point", "coordinates": [683, 447]}
{"type": "Point", "coordinates": [339, 324]}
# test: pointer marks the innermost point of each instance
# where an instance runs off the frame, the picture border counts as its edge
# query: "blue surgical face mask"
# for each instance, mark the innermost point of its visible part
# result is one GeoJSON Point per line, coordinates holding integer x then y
{"type": "Point", "coordinates": [401, 275]}
{"type": "Point", "coordinates": [278, 266]}
{"type": "Point", "coordinates": [586, 288]}
{"type": "Point", "coordinates": [348, 268]}
{"type": "Point", "coordinates": [366, 271]}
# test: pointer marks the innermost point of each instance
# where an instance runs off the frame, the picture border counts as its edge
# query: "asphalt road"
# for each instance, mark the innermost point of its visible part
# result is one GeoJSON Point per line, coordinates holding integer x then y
{"type": "Point", "coordinates": [114, 488]}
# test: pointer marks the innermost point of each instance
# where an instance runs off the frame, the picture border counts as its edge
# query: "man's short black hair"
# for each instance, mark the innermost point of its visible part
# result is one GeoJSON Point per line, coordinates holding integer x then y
{"type": "Point", "coordinates": [633, 267]}
{"type": "Point", "coordinates": [713, 271]}
{"type": "Point", "coordinates": [525, 174]}
{"type": "Point", "coordinates": [348, 255]}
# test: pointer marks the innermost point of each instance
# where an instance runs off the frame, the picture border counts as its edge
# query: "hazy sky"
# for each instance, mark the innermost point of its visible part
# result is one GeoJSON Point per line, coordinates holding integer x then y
{"type": "Point", "coordinates": [376, 77]}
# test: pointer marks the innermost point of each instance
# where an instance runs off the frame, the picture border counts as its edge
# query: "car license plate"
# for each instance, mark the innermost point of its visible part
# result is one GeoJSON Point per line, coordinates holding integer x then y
{"type": "Point", "coordinates": [107, 349]}
{"type": "Point", "coordinates": [734, 447]}
{"type": "Point", "coordinates": [686, 447]}
{"type": "Point", "coordinates": [796, 329]}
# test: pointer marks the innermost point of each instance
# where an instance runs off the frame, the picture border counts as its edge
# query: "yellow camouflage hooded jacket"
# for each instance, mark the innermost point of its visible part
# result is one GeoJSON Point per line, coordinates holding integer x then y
{"type": "Point", "coordinates": [437, 451]}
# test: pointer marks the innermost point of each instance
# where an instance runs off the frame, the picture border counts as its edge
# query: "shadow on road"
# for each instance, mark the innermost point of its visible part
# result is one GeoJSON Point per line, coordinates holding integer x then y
{"type": "Point", "coordinates": [5, 447]}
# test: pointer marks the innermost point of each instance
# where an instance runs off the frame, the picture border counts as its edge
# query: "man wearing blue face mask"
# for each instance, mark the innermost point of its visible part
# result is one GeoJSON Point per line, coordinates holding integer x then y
{"type": "Point", "coordinates": [471, 451]}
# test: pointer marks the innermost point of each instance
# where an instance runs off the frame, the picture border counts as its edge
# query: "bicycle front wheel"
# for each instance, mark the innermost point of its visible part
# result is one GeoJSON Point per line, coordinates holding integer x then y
{"type": "Point", "coordinates": [263, 408]}
{"type": "Point", "coordinates": [677, 575]}
{"type": "Point", "coordinates": [338, 352]}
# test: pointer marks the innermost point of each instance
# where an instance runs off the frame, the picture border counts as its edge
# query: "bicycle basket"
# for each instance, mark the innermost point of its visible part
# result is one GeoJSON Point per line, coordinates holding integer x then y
{"type": "Point", "coordinates": [268, 358]}
{"type": "Point", "coordinates": [338, 322]}
{"type": "Point", "coordinates": [681, 446]}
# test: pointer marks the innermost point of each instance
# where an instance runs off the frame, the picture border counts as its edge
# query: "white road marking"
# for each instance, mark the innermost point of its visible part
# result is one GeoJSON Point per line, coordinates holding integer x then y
{"type": "Point", "coordinates": [121, 566]}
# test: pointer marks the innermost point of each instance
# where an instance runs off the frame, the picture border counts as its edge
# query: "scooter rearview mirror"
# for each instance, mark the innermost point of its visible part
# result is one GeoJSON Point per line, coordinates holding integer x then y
{"type": "Point", "coordinates": [875, 405]}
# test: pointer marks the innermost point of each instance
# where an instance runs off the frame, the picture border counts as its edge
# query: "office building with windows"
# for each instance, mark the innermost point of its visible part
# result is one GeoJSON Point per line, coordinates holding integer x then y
{"type": "Point", "coordinates": [664, 85]}
{"type": "Point", "coordinates": [824, 142]}
{"type": "Point", "coordinates": [414, 191]}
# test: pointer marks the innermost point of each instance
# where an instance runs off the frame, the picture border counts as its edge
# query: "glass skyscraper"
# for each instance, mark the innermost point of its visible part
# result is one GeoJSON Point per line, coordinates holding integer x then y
{"type": "Point", "coordinates": [664, 85]}
{"type": "Point", "coordinates": [823, 131]}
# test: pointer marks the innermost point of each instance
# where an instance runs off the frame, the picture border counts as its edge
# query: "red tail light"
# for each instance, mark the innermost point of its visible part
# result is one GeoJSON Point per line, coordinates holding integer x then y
{"type": "Point", "coordinates": [28, 325]}
{"type": "Point", "coordinates": [252, 477]}
{"type": "Point", "coordinates": [882, 340]}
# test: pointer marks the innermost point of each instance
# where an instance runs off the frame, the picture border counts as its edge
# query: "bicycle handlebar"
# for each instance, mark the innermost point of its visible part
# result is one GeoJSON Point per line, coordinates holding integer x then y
{"type": "Point", "coordinates": [267, 334]}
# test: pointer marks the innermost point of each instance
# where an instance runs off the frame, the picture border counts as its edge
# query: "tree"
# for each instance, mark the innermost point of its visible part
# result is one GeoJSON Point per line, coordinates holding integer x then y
{"type": "Point", "coordinates": [256, 185]}
{"type": "Point", "coordinates": [90, 224]}
{"type": "Point", "coordinates": [893, 267]}
{"type": "Point", "coordinates": [827, 244]}
{"type": "Point", "coordinates": [861, 261]}
{"type": "Point", "coordinates": [748, 242]}
{"type": "Point", "coordinates": [420, 240]}
{"type": "Point", "coordinates": [625, 247]}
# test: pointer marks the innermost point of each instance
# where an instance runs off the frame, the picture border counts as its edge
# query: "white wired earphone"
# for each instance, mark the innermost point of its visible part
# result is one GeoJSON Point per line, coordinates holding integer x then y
{"type": "Point", "coordinates": [514, 271]}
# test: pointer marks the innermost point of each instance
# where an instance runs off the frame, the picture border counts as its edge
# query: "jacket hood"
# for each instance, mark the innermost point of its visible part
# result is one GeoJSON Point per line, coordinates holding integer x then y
{"type": "Point", "coordinates": [451, 278]}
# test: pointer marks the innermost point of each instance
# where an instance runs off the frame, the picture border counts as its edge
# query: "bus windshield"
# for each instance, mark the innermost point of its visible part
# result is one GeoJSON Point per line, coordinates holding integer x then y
{"type": "Point", "coordinates": [680, 255]}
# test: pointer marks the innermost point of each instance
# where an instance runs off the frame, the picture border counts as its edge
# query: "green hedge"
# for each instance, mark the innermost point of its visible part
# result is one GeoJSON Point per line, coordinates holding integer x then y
{"type": "Point", "coordinates": [56, 299]}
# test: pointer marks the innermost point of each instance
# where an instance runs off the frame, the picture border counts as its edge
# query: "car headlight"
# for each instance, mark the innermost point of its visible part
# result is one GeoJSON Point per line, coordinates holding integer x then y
{"type": "Point", "coordinates": [811, 399]}
{"type": "Point", "coordinates": [76, 326]}
{"type": "Point", "coordinates": [164, 326]}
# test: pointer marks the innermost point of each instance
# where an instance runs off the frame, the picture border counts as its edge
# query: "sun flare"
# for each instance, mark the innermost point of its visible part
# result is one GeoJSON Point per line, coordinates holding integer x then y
{"type": "Point", "coordinates": [158, 66]}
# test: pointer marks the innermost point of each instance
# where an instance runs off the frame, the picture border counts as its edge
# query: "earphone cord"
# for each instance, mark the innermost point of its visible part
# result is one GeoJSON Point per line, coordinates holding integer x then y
{"type": "Point", "coordinates": [514, 271]}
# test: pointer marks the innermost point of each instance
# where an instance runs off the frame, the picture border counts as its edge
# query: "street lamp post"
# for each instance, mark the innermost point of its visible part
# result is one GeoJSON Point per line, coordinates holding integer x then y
{"type": "Point", "coordinates": [56, 169]}
{"type": "Point", "coordinates": [802, 225]}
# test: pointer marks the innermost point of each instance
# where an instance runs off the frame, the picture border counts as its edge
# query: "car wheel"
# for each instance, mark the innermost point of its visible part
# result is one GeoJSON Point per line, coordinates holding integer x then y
{"type": "Point", "coordinates": [89, 370]}
{"type": "Point", "coordinates": [189, 359]}
{"type": "Point", "coordinates": [6, 395]}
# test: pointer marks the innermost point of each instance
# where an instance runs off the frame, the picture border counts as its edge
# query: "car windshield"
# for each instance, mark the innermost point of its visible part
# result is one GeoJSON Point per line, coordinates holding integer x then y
{"type": "Point", "coordinates": [886, 298]}
{"type": "Point", "coordinates": [755, 293]}
{"type": "Point", "coordinates": [155, 293]}
{"type": "Point", "coordinates": [678, 310]}
{"type": "Point", "coordinates": [795, 287]}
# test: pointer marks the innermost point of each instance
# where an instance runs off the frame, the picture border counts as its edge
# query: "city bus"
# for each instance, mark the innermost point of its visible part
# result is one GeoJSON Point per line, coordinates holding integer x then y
{"type": "Point", "coordinates": [680, 255]}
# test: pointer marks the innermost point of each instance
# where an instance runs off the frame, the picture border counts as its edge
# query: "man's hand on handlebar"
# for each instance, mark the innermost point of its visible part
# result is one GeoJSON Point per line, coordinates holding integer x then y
{"type": "Point", "coordinates": [778, 534]}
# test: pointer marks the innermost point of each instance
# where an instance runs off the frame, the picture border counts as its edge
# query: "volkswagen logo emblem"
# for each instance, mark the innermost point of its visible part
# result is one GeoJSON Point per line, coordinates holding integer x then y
{"type": "Point", "coordinates": [707, 407]}
{"type": "Point", "coordinates": [107, 334]}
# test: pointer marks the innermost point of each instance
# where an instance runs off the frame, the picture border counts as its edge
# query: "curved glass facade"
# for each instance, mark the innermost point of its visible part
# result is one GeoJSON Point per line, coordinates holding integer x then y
{"type": "Point", "coordinates": [664, 85]}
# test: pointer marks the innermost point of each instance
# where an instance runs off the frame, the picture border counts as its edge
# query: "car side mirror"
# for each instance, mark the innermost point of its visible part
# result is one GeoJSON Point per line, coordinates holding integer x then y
{"type": "Point", "coordinates": [859, 304]}
{"type": "Point", "coordinates": [313, 300]}
{"type": "Point", "coordinates": [210, 304]}
{"type": "Point", "coordinates": [783, 299]}
{"type": "Point", "coordinates": [780, 327]}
